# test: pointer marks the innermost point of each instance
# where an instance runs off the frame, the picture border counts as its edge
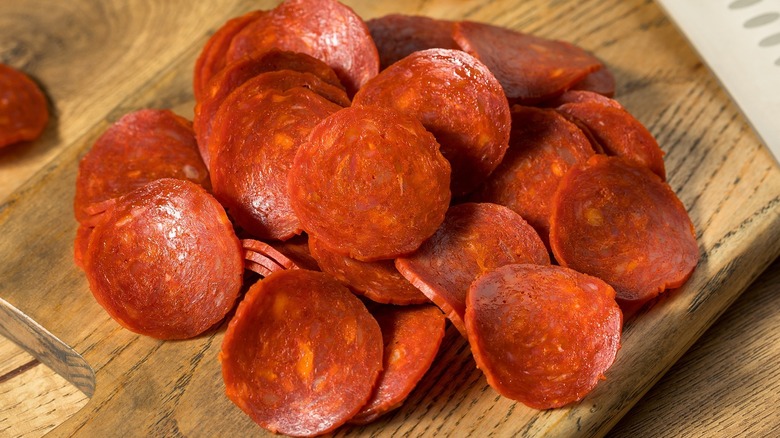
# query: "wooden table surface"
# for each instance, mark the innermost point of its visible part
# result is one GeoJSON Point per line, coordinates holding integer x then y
{"type": "Point", "coordinates": [98, 60]}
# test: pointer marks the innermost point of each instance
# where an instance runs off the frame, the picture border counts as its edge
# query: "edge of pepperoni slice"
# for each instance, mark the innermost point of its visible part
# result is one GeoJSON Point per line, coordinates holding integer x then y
{"type": "Point", "coordinates": [543, 335]}
{"type": "Point", "coordinates": [302, 354]}
{"type": "Point", "coordinates": [620, 222]}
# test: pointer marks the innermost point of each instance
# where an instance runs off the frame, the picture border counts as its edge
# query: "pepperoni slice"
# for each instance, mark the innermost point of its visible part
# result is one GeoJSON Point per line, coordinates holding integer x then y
{"type": "Point", "coordinates": [296, 249]}
{"type": "Point", "coordinates": [164, 260]}
{"type": "Point", "coordinates": [579, 96]}
{"type": "Point", "coordinates": [473, 239]}
{"type": "Point", "coordinates": [80, 244]}
{"type": "Point", "coordinates": [398, 36]}
{"type": "Point", "coordinates": [302, 354]}
{"type": "Point", "coordinates": [140, 147]}
{"type": "Point", "coordinates": [261, 84]}
{"type": "Point", "coordinates": [412, 336]}
{"type": "Point", "coordinates": [237, 73]}
{"type": "Point", "coordinates": [23, 110]}
{"type": "Point", "coordinates": [619, 222]}
{"type": "Point", "coordinates": [370, 183]}
{"type": "Point", "coordinates": [212, 58]}
{"type": "Point", "coordinates": [378, 281]}
{"type": "Point", "coordinates": [543, 335]}
{"type": "Point", "coordinates": [617, 132]}
{"type": "Point", "coordinates": [543, 146]}
{"type": "Point", "coordinates": [256, 135]}
{"type": "Point", "coordinates": [458, 100]}
{"type": "Point", "coordinates": [530, 68]}
{"type": "Point", "coordinates": [601, 81]}
{"type": "Point", "coordinates": [324, 29]}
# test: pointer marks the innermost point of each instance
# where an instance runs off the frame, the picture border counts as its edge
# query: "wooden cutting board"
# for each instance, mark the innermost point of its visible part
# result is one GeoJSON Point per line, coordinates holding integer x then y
{"type": "Point", "coordinates": [100, 60]}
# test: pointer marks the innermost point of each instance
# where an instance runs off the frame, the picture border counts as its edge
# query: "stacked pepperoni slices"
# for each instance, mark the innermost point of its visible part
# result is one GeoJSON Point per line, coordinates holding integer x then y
{"type": "Point", "coordinates": [386, 156]}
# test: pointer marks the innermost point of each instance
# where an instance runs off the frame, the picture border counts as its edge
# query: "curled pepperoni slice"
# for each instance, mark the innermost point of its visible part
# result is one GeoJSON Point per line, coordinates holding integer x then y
{"type": "Point", "coordinates": [237, 73]}
{"type": "Point", "coordinates": [164, 261]}
{"type": "Point", "coordinates": [256, 135]}
{"type": "Point", "coordinates": [412, 336]}
{"type": "Point", "coordinates": [458, 100]}
{"type": "Point", "coordinates": [473, 239]}
{"type": "Point", "coordinates": [140, 147]}
{"type": "Point", "coordinates": [543, 335]}
{"type": "Point", "coordinates": [542, 147]}
{"type": "Point", "coordinates": [302, 354]}
{"type": "Point", "coordinates": [324, 29]}
{"type": "Point", "coordinates": [530, 68]}
{"type": "Point", "coordinates": [370, 183]}
{"type": "Point", "coordinates": [23, 110]}
{"type": "Point", "coordinates": [296, 249]}
{"type": "Point", "coordinates": [617, 132]}
{"type": "Point", "coordinates": [398, 36]}
{"type": "Point", "coordinates": [619, 222]}
{"type": "Point", "coordinates": [212, 57]}
{"type": "Point", "coordinates": [378, 281]}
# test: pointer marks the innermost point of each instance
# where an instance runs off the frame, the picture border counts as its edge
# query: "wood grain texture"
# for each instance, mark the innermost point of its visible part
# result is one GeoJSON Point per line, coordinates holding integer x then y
{"type": "Point", "coordinates": [35, 399]}
{"type": "Point", "coordinates": [730, 376]}
{"type": "Point", "coordinates": [143, 52]}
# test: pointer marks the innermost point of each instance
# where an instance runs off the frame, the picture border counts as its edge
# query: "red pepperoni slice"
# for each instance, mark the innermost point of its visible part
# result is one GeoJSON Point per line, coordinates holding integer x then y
{"type": "Point", "coordinates": [212, 58]}
{"type": "Point", "coordinates": [80, 244]}
{"type": "Point", "coordinates": [398, 36]}
{"type": "Point", "coordinates": [543, 335]}
{"type": "Point", "coordinates": [260, 85]}
{"type": "Point", "coordinates": [140, 147]}
{"type": "Point", "coordinates": [164, 260]}
{"type": "Point", "coordinates": [458, 100]}
{"type": "Point", "coordinates": [324, 29]}
{"type": "Point", "coordinates": [412, 336]}
{"type": "Point", "coordinates": [237, 73]}
{"type": "Point", "coordinates": [378, 281]}
{"type": "Point", "coordinates": [297, 250]}
{"type": "Point", "coordinates": [531, 69]}
{"type": "Point", "coordinates": [543, 146]}
{"type": "Point", "coordinates": [302, 354]}
{"type": "Point", "coordinates": [617, 132]}
{"type": "Point", "coordinates": [473, 239]}
{"type": "Point", "coordinates": [579, 96]}
{"type": "Point", "coordinates": [23, 110]}
{"type": "Point", "coordinates": [256, 135]}
{"type": "Point", "coordinates": [601, 81]}
{"type": "Point", "coordinates": [370, 182]}
{"type": "Point", "coordinates": [619, 222]}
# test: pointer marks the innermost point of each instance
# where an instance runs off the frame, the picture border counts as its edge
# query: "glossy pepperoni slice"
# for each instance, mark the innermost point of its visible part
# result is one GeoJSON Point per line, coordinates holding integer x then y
{"type": "Point", "coordinates": [617, 132]}
{"type": "Point", "coordinates": [302, 354]}
{"type": "Point", "coordinates": [412, 336]}
{"type": "Point", "coordinates": [164, 261]}
{"type": "Point", "coordinates": [458, 100]}
{"type": "Point", "coordinates": [140, 147]}
{"type": "Point", "coordinates": [23, 110]}
{"type": "Point", "coordinates": [543, 146]}
{"type": "Point", "coordinates": [370, 183]}
{"type": "Point", "coordinates": [601, 81]}
{"type": "Point", "coordinates": [619, 222]}
{"type": "Point", "coordinates": [256, 135]}
{"type": "Point", "coordinates": [543, 335]}
{"type": "Point", "coordinates": [212, 57]}
{"type": "Point", "coordinates": [398, 36]}
{"type": "Point", "coordinates": [473, 239]}
{"type": "Point", "coordinates": [237, 73]}
{"type": "Point", "coordinates": [530, 68]}
{"type": "Point", "coordinates": [378, 281]}
{"type": "Point", "coordinates": [324, 29]}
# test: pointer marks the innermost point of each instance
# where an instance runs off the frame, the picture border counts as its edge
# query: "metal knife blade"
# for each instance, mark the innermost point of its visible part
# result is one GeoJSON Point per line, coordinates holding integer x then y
{"type": "Point", "coordinates": [47, 348]}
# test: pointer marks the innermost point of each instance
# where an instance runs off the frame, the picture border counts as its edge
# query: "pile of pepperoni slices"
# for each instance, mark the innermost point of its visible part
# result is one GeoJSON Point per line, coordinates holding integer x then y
{"type": "Point", "coordinates": [383, 177]}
